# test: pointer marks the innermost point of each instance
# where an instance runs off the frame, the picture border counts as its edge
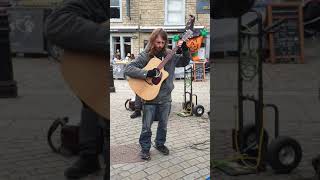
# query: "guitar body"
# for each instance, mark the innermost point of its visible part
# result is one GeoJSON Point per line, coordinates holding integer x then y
{"type": "Point", "coordinates": [145, 88]}
{"type": "Point", "coordinates": [87, 76]}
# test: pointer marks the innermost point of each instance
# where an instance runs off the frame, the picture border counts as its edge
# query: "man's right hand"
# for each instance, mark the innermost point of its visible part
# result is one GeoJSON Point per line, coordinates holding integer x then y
{"type": "Point", "coordinates": [152, 73]}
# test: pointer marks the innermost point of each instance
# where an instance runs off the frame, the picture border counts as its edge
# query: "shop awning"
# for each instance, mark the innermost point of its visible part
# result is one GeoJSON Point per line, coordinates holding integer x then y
{"type": "Point", "coordinates": [173, 29]}
{"type": "Point", "coordinates": [123, 29]}
{"type": "Point", "coordinates": [169, 29]}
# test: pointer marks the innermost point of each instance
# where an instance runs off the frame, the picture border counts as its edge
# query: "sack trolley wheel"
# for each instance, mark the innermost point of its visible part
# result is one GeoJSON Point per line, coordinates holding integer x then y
{"type": "Point", "coordinates": [284, 154]}
{"type": "Point", "coordinates": [188, 106]}
{"type": "Point", "coordinates": [198, 110]}
{"type": "Point", "coordinates": [249, 144]}
{"type": "Point", "coordinates": [250, 140]}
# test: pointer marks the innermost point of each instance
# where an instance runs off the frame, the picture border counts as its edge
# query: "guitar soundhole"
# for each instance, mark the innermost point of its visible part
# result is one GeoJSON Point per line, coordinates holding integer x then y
{"type": "Point", "coordinates": [157, 80]}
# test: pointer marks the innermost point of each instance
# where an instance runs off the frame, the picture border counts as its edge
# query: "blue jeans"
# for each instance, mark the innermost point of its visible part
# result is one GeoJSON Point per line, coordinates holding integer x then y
{"type": "Point", "coordinates": [91, 132]}
{"type": "Point", "coordinates": [150, 112]}
{"type": "Point", "coordinates": [137, 103]}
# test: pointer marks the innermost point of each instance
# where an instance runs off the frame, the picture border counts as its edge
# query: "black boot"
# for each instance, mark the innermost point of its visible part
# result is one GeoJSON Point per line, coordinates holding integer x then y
{"type": "Point", "coordinates": [145, 155]}
{"type": "Point", "coordinates": [163, 149]}
{"type": "Point", "coordinates": [83, 167]}
{"type": "Point", "coordinates": [137, 113]}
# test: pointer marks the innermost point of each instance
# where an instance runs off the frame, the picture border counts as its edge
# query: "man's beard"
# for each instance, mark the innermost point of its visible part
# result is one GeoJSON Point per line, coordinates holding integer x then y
{"type": "Point", "coordinates": [160, 53]}
{"type": "Point", "coordinates": [159, 50]}
{"type": "Point", "coordinates": [156, 52]}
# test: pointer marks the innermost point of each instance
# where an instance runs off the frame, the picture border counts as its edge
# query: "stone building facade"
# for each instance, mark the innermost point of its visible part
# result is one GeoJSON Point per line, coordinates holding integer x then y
{"type": "Point", "coordinates": [132, 22]}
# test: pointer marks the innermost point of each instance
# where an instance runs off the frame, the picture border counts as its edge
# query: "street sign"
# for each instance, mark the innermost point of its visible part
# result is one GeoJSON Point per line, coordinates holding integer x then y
{"type": "Point", "coordinates": [203, 7]}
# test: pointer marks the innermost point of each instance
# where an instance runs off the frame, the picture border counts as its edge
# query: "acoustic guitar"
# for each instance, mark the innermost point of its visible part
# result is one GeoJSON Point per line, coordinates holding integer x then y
{"type": "Point", "coordinates": [149, 88]}
{"type": "Point", "coordinates": [87, 76]}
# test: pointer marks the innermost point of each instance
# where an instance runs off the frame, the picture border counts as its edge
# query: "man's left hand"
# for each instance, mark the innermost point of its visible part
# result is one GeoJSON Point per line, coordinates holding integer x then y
{"type": "Point", "coordinates": [179, 43]}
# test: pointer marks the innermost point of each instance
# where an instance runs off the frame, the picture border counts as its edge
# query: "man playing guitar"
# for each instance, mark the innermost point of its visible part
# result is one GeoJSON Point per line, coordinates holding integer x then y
{"type": "Point", "coordinates": [159, 107]}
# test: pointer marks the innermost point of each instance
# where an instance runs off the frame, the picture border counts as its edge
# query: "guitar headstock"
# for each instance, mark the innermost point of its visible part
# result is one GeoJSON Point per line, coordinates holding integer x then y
{"type": "Point", "coordinates": [190, 23]}
{"type": "Point", "coordinates": [189, 28]}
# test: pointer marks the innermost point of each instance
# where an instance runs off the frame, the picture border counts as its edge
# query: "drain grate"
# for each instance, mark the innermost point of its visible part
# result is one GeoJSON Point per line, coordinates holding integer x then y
{"type": "Point", "coordinates": [128, 153]}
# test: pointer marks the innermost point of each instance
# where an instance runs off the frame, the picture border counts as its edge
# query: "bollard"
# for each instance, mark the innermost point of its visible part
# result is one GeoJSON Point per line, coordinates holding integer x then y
{"type": "Point", "coordinates": [112, 88]}
{"type": "Point", "coordinates": [8, 87]}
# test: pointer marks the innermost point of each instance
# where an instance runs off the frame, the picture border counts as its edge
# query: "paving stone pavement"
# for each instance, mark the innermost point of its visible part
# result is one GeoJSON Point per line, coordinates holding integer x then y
{"type": "Point", "coordinates": [294, 88]}
{"type": "Point", "coordinates": [24, 121]}
{"type": "Point", "coordinates": [185, 161]}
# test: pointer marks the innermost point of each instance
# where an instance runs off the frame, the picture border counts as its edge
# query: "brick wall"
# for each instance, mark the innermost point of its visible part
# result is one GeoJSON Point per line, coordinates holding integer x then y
{"type": "Point", "coordinates": [152, 13]}
{"type": "Point", "coordinates": [134, 14]}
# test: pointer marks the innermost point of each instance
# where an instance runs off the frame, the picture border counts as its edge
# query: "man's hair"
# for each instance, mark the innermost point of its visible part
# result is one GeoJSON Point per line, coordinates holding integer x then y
{"type": "Point", "coordinates": [150, 48]}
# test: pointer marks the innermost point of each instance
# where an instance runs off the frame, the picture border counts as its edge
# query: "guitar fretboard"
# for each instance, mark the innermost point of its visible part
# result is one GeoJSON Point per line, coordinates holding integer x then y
{"type": "Point", "coordinates": [167, 58]}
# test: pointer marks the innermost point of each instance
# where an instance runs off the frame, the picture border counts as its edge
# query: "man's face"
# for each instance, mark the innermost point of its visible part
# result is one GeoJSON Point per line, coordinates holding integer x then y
{"type": "Point", "coordinates": [159, 43]}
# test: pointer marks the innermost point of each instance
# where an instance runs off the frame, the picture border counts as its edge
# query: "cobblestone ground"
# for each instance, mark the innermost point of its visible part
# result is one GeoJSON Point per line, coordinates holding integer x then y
{"type": "Point", "coordinates": [186, 160]}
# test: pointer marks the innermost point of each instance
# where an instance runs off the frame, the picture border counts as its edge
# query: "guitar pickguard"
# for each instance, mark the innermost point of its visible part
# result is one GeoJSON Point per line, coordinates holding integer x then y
{"type": "Point", "coordinates": [156, 80]}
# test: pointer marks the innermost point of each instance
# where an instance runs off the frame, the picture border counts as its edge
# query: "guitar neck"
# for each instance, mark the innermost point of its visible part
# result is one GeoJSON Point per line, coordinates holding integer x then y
{"type": "Point", "coordinates": [167, 58]}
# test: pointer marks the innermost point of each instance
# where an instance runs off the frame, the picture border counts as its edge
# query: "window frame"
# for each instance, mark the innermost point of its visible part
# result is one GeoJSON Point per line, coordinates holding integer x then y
{"type": "Point", "coordinates": [122, 36]}
{"type": "Point", "coordinates": [183, 14]}
{"type": "Point", "coordinates": [117, 19]}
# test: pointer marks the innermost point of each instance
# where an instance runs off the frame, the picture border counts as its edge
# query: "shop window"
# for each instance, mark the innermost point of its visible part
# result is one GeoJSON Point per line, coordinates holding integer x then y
{"type": "Point", "coordinates": [121, 45]}
{"type": "Point", "coordinates": [175, 12]}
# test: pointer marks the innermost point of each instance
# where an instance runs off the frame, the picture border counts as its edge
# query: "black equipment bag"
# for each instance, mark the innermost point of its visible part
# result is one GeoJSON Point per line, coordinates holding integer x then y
{"type": "Point", "coordinates": [69, 136]}
{"type": "Point", "coordinates": [129, 105]}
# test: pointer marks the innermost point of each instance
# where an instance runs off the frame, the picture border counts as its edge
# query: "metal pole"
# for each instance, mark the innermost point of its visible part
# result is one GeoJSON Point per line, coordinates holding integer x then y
{"type": "Point", "coordinates": [108, 58]}
{"type": "Point", "coordinates": [112, 88]}
{"type": "Point", "coordinates": [260, 91]}
{"type": "Point", "coordinates": [8, 87]}
{"type": "Point", "coordinates": [240, 86]}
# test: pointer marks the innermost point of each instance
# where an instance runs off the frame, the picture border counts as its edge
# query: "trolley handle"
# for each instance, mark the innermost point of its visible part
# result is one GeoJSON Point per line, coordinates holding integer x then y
{"type": "Point", "coordinates": [250, 24]}
{"type": "Point", "coordinates": [270, 29]}
{"type": "Point", "coordinates": [249, 98]}
{"type": "Point", "coordinates": [276, 118]}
